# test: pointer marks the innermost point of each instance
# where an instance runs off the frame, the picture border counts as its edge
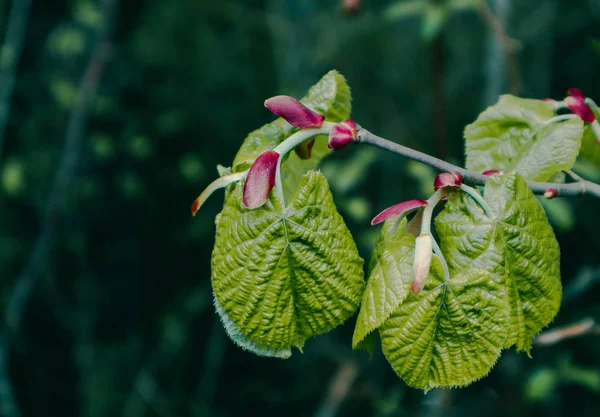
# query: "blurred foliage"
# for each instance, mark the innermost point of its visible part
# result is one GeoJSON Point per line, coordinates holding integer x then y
{"type": "Point", "coordinates": [121, 321]}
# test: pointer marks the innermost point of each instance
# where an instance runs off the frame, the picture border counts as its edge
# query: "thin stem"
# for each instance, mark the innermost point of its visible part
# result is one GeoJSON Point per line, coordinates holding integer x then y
{"type": "Point", "coordinates": [300, 136]}
{"type": "Point", "coordinates": [279, 183]}
{"type": "Point", "coordinates": [289, 144]}
{"type": "Point", "coordinates": [428, 211]}
{"type": "Point", "coordinates": [438, 252]}
{"type": "Point", "coordinates": [470, 177]}
{"type": "Point", "coordinates": [479, 199]}
{"type": "Point", "coordinates": [574, 176]}
{"type": "Point", "coordinates": [560, 118]}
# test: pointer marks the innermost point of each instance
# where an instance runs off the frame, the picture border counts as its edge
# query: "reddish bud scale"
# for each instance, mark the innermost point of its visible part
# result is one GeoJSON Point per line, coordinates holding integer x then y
{"type": "Point", "coordinates": [576, 103]}
{"type": "Point", "coordinates": [260, 180]}
{"type": "Point", "coordinates": [492, 172]}
{"type": "Point", "coordinates": [550, 193]}
{"type": "Point", "coordinates": [195, 207]}
{"type": "Point", "coordinates": [294, 112]}
{"type": "Point", "coordinates": [342, 134]}
{"type": "Point", "coordinates": [398, 210]}
{"type": "Point", "coordinates": [447, 179]}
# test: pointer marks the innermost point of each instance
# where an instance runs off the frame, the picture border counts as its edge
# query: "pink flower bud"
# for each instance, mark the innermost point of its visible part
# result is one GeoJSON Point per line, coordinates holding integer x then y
{"type": "Point", "coordinates": [447, 179]}
{"type": "Point", "coordinates": [398, 210]}
{"type": "Point", "coordinates": [294, 112]}
{"type": "Point", "coordinates": [351, 6]}
{"type": "Point", "coordinates": [492, 172]}
{"type": "Point", "coordinates": [422, 261]}
{"type": "Point", "coordinates": [550, 193]}
{"type": "Point", "coordinates": [342, 134]}
{"type": "Point", "coordinates": [576, 103]}
{"type": "Point", "coordinates": [261, 179]}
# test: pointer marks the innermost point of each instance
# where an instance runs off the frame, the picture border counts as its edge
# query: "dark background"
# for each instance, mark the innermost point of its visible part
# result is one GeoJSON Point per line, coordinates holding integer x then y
{"type": "Point", "coordinates": [112, 131]}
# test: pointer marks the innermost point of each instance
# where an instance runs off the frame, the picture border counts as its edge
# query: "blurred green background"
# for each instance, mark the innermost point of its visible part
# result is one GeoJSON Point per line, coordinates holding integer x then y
{"type": "Point", "coordinates": [121, 111]}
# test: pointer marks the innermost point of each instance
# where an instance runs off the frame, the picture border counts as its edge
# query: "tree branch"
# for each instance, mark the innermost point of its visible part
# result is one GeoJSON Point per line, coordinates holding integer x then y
{"type": "Point", "coordinates": [10, 57]}
{"type": "Point", "coordinates": [579, 188]}
{"type": "Point", "coordinates": [509, 45]}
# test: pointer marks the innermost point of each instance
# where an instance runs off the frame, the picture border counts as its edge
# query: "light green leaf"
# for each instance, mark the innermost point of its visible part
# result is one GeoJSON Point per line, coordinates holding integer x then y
{"type": "Point", "coordinates": [242, 341]}
{"type": "Point", "coordinates": [590, 149]}
{"type": "Point", "coordinates": [283, 275]}
{"type": "Point", "coordinates": [451, 333]}
{"type": "Point", "coordinates": [512, 136]}
{"type": "Point", "coordinates": [390, 277]}
{"type": "Point", "coordinates": [518, 245]}
{"type": "Point", "coordinates": [329, 97]}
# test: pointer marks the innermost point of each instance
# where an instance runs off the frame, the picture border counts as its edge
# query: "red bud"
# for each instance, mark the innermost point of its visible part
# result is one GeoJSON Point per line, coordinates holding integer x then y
{"type": "Point", "coordinates": [492, 172]}
{"type": "Point", "coordinates": [550, 193]}
{"type": "Point", "coordinates": [398, 210]}
{"type": "Point", "coordinates": [447, 179]}
{"type": "Point", "coordinates": [576, 103]}
{"type": "Point", "coordinates": [260, 180]}
{"type": "Point", "coordinates": [342, 134]}
{"type": "Point", "coordinates": [294, 112]}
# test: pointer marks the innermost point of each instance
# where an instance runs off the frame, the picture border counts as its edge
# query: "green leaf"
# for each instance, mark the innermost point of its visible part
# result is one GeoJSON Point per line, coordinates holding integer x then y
{"type": "Point", "coordinates": [451, 333]}
{"type": "Point", "coordinates": [590, 149]}
{"type": "Point", "coordinates": [283, 275]}
{"type": "Point", "coordinates": [242, 341]}
{"type": "Point", "coordinates": [390, 277]}
{"type": "Point", "coordinates": [329, 97]}
{"type": "Point", "coordinates": [512, 136]}
{"type": "Point", "coordinates": [517, 244]}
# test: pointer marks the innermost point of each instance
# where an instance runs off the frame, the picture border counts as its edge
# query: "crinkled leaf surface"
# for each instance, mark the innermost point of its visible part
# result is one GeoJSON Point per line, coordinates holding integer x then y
{"type": "Point", "coordinates": [517, 244]}
{"type": "Point", "coordinates": [329, 97]}
{"type": "Point", "coordinates": [242, 341]}
{"type": "Point", "coordinates": [390, 277]}
{"type": "Point", "coordinates": [449, 334]}
{"type": "Point", "coordinates": [283, 275]}
{"type": "Point", "coordinates": [512, 136]}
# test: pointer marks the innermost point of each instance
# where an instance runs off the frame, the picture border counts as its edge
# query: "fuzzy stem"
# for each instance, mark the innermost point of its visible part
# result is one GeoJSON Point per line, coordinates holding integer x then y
{"type": "Point", "coordinates": [428, 211]}
{"type": "Point", "coordinates": [289, 144]}
{"type": "Point", "coordinates": [470, 177]}
{"type": "Point", "coordinates": [438, 252]}
{"type": "Point", "coordinates": [479, 199]}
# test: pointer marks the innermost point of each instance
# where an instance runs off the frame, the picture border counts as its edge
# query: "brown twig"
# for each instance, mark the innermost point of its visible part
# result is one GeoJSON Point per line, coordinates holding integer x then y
{"type": "Point", "coordinates": [554, 336]}
{"type": "Point", "coordinates": [26, 282]}
{"type": "Point", "coordinates": [509, 45]}
{"type": "Point", "coordinates": [574, 189]}
{"type": "Point", "coordinates": [339, 387]}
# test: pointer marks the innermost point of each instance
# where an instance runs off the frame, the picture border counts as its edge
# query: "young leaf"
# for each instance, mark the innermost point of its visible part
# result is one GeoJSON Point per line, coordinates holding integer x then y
{"type": "Point", "coordinates": [449, 334]}
{"type": "Point", "coordinates": [329, 97]}
{"type": "Point", "coordinates": [518, 245]}
{"type": "Point", "coordinates": [390, 277]}
{"type": "Point", "coordinates": [283, 275]}
{"type": "Point", "coordinates": [590, 148]}
{"type": "Point", "coordinates": [512, 136]}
